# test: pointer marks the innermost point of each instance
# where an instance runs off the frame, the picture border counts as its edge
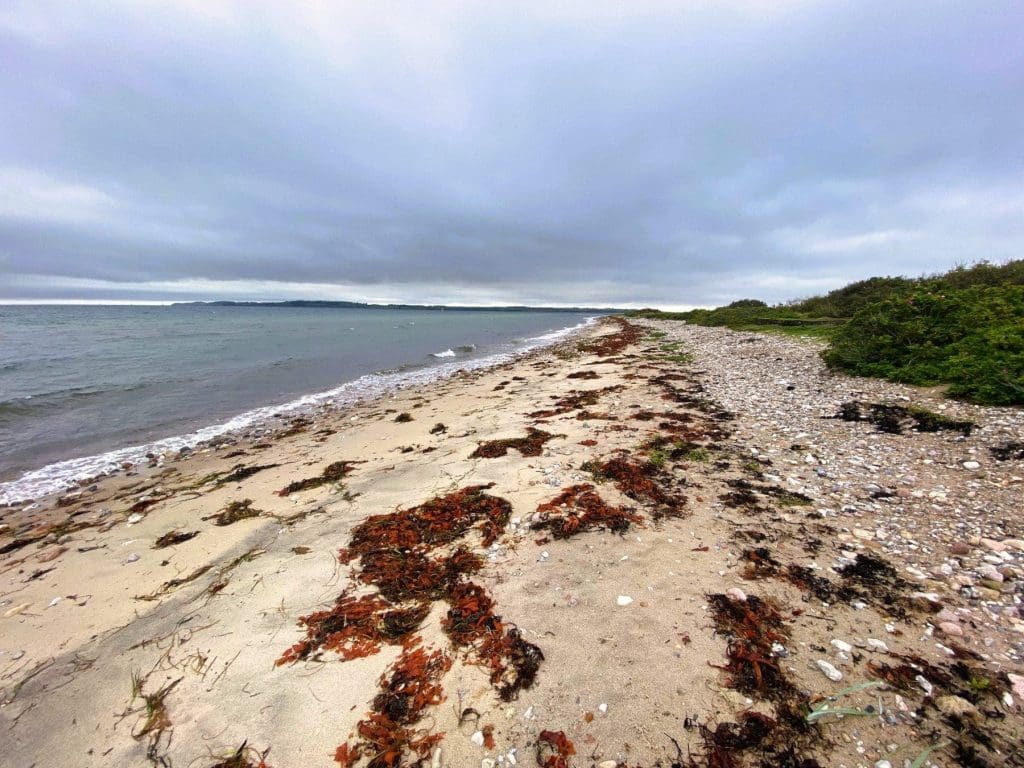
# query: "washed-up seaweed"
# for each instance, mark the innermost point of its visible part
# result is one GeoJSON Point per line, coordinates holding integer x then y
{"type": "Point", "coordinates": [233, 512]}
{"type": "Point", "coordinates": [174, 537]}
{"type": "Point", "coordinates": [244, 757]}
{"type": "Point", "coordinates": [471, 623]}
{"type": "Point", "coordinates": [333, 473]}
{"type": "Point", "coordinates": [586, 375]}
{"type": "Point", "coordinates": [554, 749]}
{"type": "Point", "coordinates": [1008, 451]}
{"type": "Point", "coordinates": [241, 472]}
{"type": "Point", "coordinates": [409, 558]}
{"type": "Point", "coordinates": [641, 481]}
{"type": "Point", "coordinates": [575, 400]}
{"type": "Point", "coordinates": [753, 626]}
{"type": "Point", "coordinates": [894, 419]}
{"type": "Point", "coordinates": [612, 343]}
{"type": "Point", "coordinates": [531, 445]}
{"type": "Point", "coordinates": [387, 736]}
{"type": "Point", "coordinates": [579, 508]}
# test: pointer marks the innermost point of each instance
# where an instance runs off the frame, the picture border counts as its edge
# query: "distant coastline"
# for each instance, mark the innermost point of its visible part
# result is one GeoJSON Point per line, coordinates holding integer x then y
{"type": "Point", "coordinates": [317, 304]}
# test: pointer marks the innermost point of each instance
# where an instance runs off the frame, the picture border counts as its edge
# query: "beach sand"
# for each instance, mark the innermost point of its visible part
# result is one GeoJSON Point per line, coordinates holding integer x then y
{"type": "Point", "coordinates": [692, 632]}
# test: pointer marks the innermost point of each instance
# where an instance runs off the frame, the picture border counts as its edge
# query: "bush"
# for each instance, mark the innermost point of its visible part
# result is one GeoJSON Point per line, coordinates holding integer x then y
{"type": "Point", "coordinates": [971, 339]}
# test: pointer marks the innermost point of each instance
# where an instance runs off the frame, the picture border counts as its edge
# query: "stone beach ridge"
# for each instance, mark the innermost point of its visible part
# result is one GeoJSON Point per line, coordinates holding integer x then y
{"type": "Point", "coordinates": [654, 544]}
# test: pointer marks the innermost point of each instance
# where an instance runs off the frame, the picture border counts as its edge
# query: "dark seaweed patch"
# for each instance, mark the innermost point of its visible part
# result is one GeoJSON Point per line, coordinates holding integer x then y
{"type": "Point", "coordinates": [1008, 451]}
{"type": "Point", "coordinates": [612, 343]}
{"type": "Point", "coordinates": [554, 749]}
{"type": "Point", "coordinates": [531, 445]}
{"type": "Point", "coordinates": [233, 512]}
{"type": "Point", "coordinates": [894, 419]}
{"type": "Point", "coordinates": [171, 538]}
{"type": "Point", "coordinates": [333, 473]}
{"type": "Point", "coordinates": [641, 481]}
{"type": "Point", "coordinates": [241, 472]}
{"type": "Point", "coordinates": [580, 508]}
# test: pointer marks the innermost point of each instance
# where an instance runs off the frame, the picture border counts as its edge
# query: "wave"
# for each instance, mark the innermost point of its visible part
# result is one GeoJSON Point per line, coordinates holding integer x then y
{"type": "Point", "coordinates": [447, 353]}
{"type": "Point", "coordinates": [28, 404]}
{"type": "Point", "coordinates": [73, 472]}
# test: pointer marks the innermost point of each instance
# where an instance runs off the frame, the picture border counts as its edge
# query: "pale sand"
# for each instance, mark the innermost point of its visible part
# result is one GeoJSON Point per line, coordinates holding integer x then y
{"type": "Point", "coordinates": [68, 699]}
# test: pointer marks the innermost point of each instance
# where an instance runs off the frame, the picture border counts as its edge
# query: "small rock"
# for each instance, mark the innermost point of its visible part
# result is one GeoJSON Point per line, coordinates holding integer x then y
{"type": "Point", "coordinates": [829, 671]}
{"type": "Point", "coordinates": [1017, 681]}
{"type": "Point", "coordinates": [993, 545]}
{"type": "Point", "coordinates": [602, 708]}
{"type": "Point", "coordinates": [990, 572]}
{"type": "Point", "coordinates": [877, 645]}
{"type": "Point", "coordinates": [950, 629]}
{"type": "Point", "coordinates": [135, 518]}
{"type": "Point", "coordinates": [883, 764]}
{"type": "Point", "coordinates": [954, 705]}
{"type": "Point", "coordinates": [17, 655]}
{"type": "Point", "coordinates": [972, 465]}
{"type": "Point", "coordinates": [623, 600]}
{"type": "Point", "coordinates": [926, 686]}
{"type": "Point", "coordinates": [477, 738]}
{"type": "Point", "coordinates": [959, 548]}
{"type": "Point", "coordinates": [842, 645]}
{"type": "Point", "coordinates": [863, 533]}
{"type": "Point", "coordinates": [132, 558]}
{"type": "Point", "coordinates": [737, 594]}
{"type": "Point", "coordinates": [608, 764]}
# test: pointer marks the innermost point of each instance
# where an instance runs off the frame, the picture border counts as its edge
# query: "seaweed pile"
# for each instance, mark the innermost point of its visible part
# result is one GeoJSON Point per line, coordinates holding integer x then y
{"type": "Point", "coordinates": [641, 481]}
{"type": "Point", "coordinates": [1008, 451]}
{"type": "Point", "coordinates": [578, 509]}
{"type": "Point", "coordinates": [409, 558]}
{"type": "Point", "coordinates": [554, 749]}
{"type": "Point", "coordinates": [612, 343]}
{"type": "Point", "coordinates": [894, 419]}
{"type": "Point", "coordinates": [333, 473]}
{"type": "Point", "coordinates": [753, 626]}
{"type": "Point", "coordinates": [233, 512]}
{"type": "Point", "coordinates": [531, 445]}
{"type": "Point", "coordinates": [575, 400]}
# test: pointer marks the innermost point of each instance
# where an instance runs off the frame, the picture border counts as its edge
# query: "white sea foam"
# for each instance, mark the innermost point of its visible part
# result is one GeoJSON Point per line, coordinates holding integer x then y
{"type": "Point", "coordinates": [446, 353]}
{"type": "Point", "coordinates": [71, 473]}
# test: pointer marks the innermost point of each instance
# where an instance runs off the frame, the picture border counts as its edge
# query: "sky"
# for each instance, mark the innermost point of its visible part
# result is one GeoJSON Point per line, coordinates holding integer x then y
{"type": "Point", "coordinates": [636, 153]}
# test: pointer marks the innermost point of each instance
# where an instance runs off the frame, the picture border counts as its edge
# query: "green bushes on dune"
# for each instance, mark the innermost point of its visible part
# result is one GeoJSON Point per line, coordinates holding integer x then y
{"type": "Point", "coordinates": [963, 329]}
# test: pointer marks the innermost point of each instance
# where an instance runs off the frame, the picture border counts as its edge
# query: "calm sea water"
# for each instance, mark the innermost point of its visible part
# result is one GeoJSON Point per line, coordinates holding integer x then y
{"type": "Point", "coordinates": [82, 388]}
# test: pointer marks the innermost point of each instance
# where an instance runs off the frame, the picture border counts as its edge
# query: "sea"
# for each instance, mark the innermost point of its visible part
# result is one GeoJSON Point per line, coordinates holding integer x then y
{"type": "Point", "coordinates": [85, 388]}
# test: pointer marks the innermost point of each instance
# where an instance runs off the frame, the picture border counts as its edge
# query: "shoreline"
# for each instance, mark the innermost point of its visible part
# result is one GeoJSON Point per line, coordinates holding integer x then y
{"type": "Point", "coordinates": [35, 486]}
{"type": "Point", "coordinates": [648, 513]}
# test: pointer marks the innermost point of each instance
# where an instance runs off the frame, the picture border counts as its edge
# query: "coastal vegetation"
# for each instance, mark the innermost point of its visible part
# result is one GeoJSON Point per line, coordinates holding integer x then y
{"type": "Point", "coordinates": [963, 329]}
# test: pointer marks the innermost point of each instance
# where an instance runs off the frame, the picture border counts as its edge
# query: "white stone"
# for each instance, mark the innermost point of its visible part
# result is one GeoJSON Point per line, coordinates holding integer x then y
{"type": "Point", "coordinates": [877, 645]}
{"type": "Point", "coordinates": [842, 645]}
{"type": "Point", "coordinates": [623, 600]}
{"type": "Point", "coordinates": [829, 671]}
{"type": "Point", "coordinates": [602, 708]}
{"type": "Point", "coordinates": [737, 594]}
{"type": "Point", "coordinates": [972, 465]}
{"type": "Point", "coordinates": [477, 738]}
{"type": "Point", "coordinates": [133, 519]}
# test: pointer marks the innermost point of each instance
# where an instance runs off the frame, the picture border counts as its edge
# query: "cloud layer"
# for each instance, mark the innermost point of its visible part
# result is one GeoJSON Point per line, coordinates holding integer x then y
{"type": "Point", "coordinates": [624, 153]}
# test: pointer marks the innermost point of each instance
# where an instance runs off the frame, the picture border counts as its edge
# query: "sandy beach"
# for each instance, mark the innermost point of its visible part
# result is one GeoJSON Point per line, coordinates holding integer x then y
{"type": "Point", "coordinates": [653, 544]}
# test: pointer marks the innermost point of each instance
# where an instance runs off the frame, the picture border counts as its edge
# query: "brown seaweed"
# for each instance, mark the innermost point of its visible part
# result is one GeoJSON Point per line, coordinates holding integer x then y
{"type": "Point", "coordinates": [579, 508]}
{"type": "Point", "coordinates": [333, 473]}
{"type": "Point", "coordinates": [531, 445]}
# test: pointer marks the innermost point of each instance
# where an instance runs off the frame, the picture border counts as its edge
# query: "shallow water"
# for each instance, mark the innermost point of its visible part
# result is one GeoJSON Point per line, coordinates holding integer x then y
{"type": "Point", "coordinates": [83, 381]}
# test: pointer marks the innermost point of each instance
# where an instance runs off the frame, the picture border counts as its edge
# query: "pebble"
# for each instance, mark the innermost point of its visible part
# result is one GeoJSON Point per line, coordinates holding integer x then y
{"type": "Point", "coordinates": [877, 645]}
{"type": "Point", "coordinates": [132, 558]}
{"type": "Point", "coordinates": [842, 645]}
{"type": "Point", "coordinates": [972, 465]}
{"type": "Point", "coordinates": [990, 572]}
{"type": "Point", "coordinates": [951, 629]}
{"type": "Point", "coordinates": [623, 600]}
{"type": "Point", "coordinates": [602, 708]}
{"type": "Point", "coordinates": [829, 671]}
{"type": "Point", "coordinates": [737, 594]}
{"type": "Point", "coordinates": [608, 764]}
{"type": "Point", "coordinates": [954, 705]}
{"type": "Point", "coordinates": [135, 518]}
{"type": "Point", "coordinates": [477, 738]}
{"type": "Point", "coordinates": [1017, 681]}
{"type": "Point", "coordinates": [959, 548]}
{"type": "Point", "coordinates": [883, 764]}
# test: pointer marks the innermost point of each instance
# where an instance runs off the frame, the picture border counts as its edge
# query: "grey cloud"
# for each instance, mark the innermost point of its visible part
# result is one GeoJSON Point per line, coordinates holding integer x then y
{"type": "Point", "coordinates": [642, 154]}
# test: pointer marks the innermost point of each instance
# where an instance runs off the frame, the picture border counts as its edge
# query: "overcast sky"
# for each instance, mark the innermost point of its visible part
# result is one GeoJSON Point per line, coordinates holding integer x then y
{"type": "Point", "coordinates": [626, 153]}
